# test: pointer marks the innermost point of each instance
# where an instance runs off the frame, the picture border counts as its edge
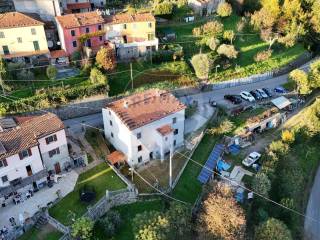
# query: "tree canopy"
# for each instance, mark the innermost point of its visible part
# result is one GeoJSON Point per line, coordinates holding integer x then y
{"type": "Point", "coordinates": [224, 9]}
{"type": "Point", "coordinates": [202, 65]}
{"type": "Point", "coordinates": [227, 50]}
{"type": "Point", "coordinates": [300, 78]}
{"type": "Point", "coordinates": [106, 59]}
{"type": "Point", "coordinates": [273, 229]}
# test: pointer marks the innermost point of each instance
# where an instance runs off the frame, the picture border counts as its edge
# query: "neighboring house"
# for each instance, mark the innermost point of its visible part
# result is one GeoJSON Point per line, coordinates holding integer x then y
{"type": "Point", "coordinates": [98, 3]}
{"type": "Point", "coordinates": [145, 126]}
{"type": "Point", "coordinates": [22, 38]}
{"type": "Point", "coordinates": [76, 6]}
{"type": "Point", "coordinates": [204, 7]}
{"type": "Point", "coordinates": [132, 35]}
{"type": "Point", "coordinates": [6, 6]}
{"type": "Point", "coordinates": [72, 27]}
{"type": "Point", "coordinates": [47, 9]}
{"type": "Point", "coordinates": [29, 148]}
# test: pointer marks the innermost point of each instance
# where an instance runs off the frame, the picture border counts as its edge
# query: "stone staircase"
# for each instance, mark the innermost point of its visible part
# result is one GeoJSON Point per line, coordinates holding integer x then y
{"type": "Point", "coordinates": [42, 220]}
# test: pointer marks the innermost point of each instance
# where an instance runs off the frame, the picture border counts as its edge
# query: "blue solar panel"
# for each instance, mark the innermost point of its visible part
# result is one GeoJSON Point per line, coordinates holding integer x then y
{"type": "Point", "coordinates": [211, 163]}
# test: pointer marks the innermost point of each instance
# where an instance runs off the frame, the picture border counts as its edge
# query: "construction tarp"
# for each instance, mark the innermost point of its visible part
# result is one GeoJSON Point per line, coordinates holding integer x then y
{"type": "Point", "coordinates": [223, 166]}
{"type": "Point", "coordinates": [281, 102]}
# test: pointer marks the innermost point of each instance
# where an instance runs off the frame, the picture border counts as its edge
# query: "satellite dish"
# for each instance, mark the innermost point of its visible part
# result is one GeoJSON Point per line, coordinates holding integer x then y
{"type": "Point", "coordinates": [50, 44]}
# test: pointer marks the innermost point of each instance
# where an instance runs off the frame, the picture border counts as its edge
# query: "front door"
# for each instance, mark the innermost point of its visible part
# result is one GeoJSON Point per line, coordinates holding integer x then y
{"type": "Point", "coordinates": [29, 170]}
{"type": "Point", "coordinates": [57, 168]}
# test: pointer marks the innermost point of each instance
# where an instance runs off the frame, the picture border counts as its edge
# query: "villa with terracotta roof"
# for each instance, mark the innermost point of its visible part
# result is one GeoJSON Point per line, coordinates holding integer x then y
{"type": "Point", "coordinates": [29, 147]}
{"type": "Point", "coordinates": [132, 35]}
{"type": "Point", "coordinates": [145, 126]}
{"type": "Point", "coordinates": [22, 37]}
{"type": "Point", "coordinates": [204, 7]}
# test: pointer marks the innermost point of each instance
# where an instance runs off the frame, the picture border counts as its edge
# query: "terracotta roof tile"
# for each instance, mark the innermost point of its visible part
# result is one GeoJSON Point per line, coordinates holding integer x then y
{"type": "Point", "coordinates": [74, 6]}
{"type": "Point", "coordinates": [116, 157]}
{"type": "Point", "coordinates": [58, 53]}
{"type": "Point", "coordinates": [17, 19]}
{"type": "Point", "coordinates": [142, 108]}
{"type": "Point", "coordinates": [80, 19]}
{"type": "Point", "coordinates": [26, 134]}
{"type": "Point", "coordinates": [127, 18]}
{"type": "Point", "coordinates": [165, 130]}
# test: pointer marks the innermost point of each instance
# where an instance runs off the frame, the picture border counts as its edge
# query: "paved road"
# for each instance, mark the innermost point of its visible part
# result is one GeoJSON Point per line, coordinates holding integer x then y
{"type": "Point", "coordinates": [312, 228]}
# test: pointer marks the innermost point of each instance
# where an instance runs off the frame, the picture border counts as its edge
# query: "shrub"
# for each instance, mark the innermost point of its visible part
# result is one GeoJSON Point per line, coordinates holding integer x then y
{"type": "Point", "coordinates": [51, 72]}
{"type": "Point", "coordinates": [279, 147]}
{"type": "Point", "coordinates": [224, 9]}
{"type": "Point", "coordinates": [110, 223]}
{"type": "Point", "coordinates": [82, 228]}
{"type": "Point", "coordinates": [213, 43]}
{"type": "Point", "coordinates": [106, 59]}
{"type": "Point", "coordinates": [164, 8]}
{"type": "Point", "coordinates": [287, 136]}
{"type": "Point", "coordinates": [212, 28]}
{"type": "Point", "coordinates": [186, 81]}
{"type": "Point", "coordinates": [25, 75]}
{"type": "Point", "coordinates": [96, 76]}
{"type": "Point", "coordinates": [229, 35]}
{"type": "Point", "coordinates": [261, 184]}
{"type": "Point", "coordinates": [225, 126]}
{"type": "Point", "coordinates": [202, 65]}
{"type": "Point", "coordinates": [227, 50]}
{"type": "Point", "coordinates": [273, 229]}
{"type": "Point", "coordinates": [263, 56]}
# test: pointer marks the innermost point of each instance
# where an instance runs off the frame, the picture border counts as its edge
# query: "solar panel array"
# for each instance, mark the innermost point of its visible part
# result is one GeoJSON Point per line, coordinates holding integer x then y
{"type": "Point", "coordinates": [211, 163]}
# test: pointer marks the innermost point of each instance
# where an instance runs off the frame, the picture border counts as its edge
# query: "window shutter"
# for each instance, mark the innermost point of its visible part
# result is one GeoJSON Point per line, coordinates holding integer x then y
{"type": "Point", "coordinates": [55, 137]}
{"type": "Point", "coordinates": [5, 162]}
{"type": "Point", "coordinates": [58, 151]}
{"type": "Point", "coordinates": [20, 156]}
{"type": "Point", "coordinates": [29, 152]}
{"type": "Point", "coordinates": [47, 141]}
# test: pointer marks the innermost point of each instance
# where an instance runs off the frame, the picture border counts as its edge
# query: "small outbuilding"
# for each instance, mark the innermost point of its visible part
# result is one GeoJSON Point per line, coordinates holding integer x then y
{"type": "Point", "coordinates": [204, 7]}
{"type": "Point", "coordinates": [281, 102]}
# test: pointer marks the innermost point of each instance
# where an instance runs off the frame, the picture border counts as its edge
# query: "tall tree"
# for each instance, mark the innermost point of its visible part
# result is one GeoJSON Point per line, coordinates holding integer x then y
{"type": "Point", "coordinates": [272, 229]}
{"type": "Point", "coordinates": [221, 217]}
{"type": "Point", "coordinates": [106, 59]}
{"type": "Point", "coordinates": [224, 9]}
{"type": "Point", "coordinates": [314, 74]}
{"type": "Point", "coordinates": [202, 65]}
{"type": "Point", "coordinates": [261, 184]}
{"type": "Point", "coordinates": [300, 79]}
{"type": "Point", "coordinates": [2, 74]}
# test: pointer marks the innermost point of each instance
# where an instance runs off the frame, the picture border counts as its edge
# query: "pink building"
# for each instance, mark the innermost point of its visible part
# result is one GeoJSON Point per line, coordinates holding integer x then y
{"type": "Point", "coordinates": [72, 27]}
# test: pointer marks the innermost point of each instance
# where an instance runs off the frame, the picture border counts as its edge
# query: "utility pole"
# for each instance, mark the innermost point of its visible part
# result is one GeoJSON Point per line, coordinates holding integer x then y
{"type": "Point", "coordinates": [170, 169]}
{"type": "Point", "coordinates": [131, 75]}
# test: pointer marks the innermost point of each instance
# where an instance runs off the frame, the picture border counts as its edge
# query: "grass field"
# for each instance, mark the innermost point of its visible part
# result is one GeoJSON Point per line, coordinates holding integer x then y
{"type": "Point", "coordinates": [127, 213]}
{"type": "Point", "coordinates": [101, 178]}
{"type": "Point", "coordinates": [46, 232]}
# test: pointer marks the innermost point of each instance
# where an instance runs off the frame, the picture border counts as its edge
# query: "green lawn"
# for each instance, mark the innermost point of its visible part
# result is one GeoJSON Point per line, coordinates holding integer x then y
{"type": "Point", "coordinates": [188, 187]}
{"type": "Point", "coordinates": [101, 178]}
{"type": "Point", "coordinates": [46, 232]}
{"type": "Point", "coordinates": [127, 213]}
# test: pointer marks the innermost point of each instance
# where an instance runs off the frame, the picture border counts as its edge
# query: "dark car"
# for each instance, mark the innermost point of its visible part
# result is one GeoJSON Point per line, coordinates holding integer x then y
{"type": "Point", "coordinates": [267, 91]}
{"type": "Point", "coordinates": [256, 95]}
{"type": "Point", "coordinates": [280, 89]}
{"type": "Point", "coordinates": [233, 98]}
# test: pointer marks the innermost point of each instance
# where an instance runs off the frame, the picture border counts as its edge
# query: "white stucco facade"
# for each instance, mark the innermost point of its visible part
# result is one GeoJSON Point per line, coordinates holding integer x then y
{"type": "Point", "coordinates": [150, 144]}
{"type": "Point", "coordinates": [17, 168]}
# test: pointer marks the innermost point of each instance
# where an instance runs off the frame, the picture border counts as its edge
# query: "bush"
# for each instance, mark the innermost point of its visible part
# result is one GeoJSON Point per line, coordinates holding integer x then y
{"type": "Point", "coordinates": [25, 75]}
{"type": "Point", "coordinates": [106, 59]}
{"type": "Point", "coordinates": [224, 9]}
{"type": "Point", "coordinates": [213, 43]}
{"type": "Point", "coordinates": [51, 72]}
{"type": "Point", "coordinates": [82, 228]}
{"type": "Point", "coordinates": [202, 65]}
{"type": "Point", "coordinates": [229, 35]}
{"type": "Point", "coordinates": [164, 8]}
{"type": "Point", "coordinates": [227, 50]}
{"type": "Point", "coordinates": [96, 76]}
{"type": "Point", "coordinates": [287, 136]}
{"type": "Point", "coordinates": [110, 223]}
{"type": "Point", "coordinates": [261, 184]}
{"type": "Point", "coordinates": [263, 56]}
{"type": "Point", "coordinates": [224, 126]}
{"type": "Point", "coordinates": [273, 229]}
{"type": "Point", "coordinates": [187, 81]}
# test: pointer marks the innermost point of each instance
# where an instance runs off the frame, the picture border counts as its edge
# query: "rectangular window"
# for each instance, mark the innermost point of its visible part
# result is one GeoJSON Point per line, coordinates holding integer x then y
{"type": "Point", "coordinates": [139, 159]}
{"type": "Point", "coordinates": [5, 50]}
{"type": "Point", "coordinates": [19, 39]}
{"type": "Point", "coordinates": [33, 31]}
{"type": "Point", "coordinates": [111, 134]}
{"type": "Point", "coordinates": [109, 113]}
{"type": "Point", "coordinates": [124, 26]}
{"type": "Point", "coordinates": [150, 24]}
{"type": "Point", "coordinates": [36, 45]}
{"type": "Point", "coordinates": [150, 36]}
{"type": "Point", "coordinates": [53, 152]}
{"type": "Point", "coordinates": [99, 27]}
{"type": "Point", "coordinates": [138, 135]}
{"type": "Point", "coordinates": [25, 153]}
{"type": "Point", "coordinates": [87, 30]}
{"type": "Point", "coordinates": [110, 123]}
{"type": "Point", "coordinates": [52, 138]}
{"type": "Point", "coordinates": [3, 163]}
{"type": "Point", "coordinates": [74, 43]}
{"type": "Point", "coordinates": [139, 148]}
{"type": "Point", "coordinates": [2, 35]}
{"type": "Point", "coordinates": [4, 179]}
{"type": "Point", "coordinates": [101, 3]}
{"type": "Point", "coordinates": [174, 120]}
{"type": "Point", "coordinates": [73, 33]}
{"type": "Point", "coordinates": [176, 131]}
{"type": "Point", "coordinates": [100, 38]}
{"type": "Point", "coordinates": [174, 142]}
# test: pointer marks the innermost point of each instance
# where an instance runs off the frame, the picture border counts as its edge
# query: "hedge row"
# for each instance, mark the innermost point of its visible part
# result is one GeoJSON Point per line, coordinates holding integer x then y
{"type": "Point", "coordinates": [51, 98]}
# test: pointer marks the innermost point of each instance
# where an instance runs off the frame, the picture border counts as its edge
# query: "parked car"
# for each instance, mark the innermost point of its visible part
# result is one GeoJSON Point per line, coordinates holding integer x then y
{"type": "Point", "coordinates": [280, 89]}
{"type": "Point", "coordinates": [233, 98]}
{"type": "Point", "coordinates": [267, 91]}
{"type": "Point", "coordinates": [251, 159]}
{"type": "Point", "coordinates": [256, 95]}
{"type": "Point", "coordinates": [247, 96]}
{"type": "Point", "coordinates": [262, 93]}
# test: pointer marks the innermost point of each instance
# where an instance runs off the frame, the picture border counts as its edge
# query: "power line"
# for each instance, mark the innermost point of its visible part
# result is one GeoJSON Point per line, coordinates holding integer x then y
{"type": "Point", "coordinates": [250, 190]}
